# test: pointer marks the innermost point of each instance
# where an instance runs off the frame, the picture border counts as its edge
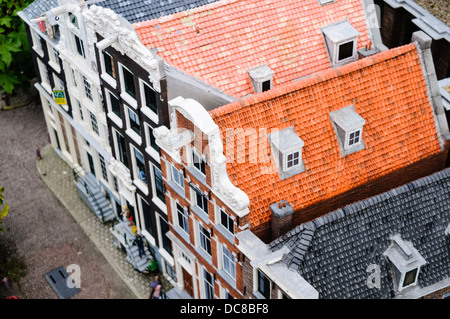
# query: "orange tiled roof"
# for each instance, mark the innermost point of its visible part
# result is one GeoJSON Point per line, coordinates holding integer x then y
{"type": "Point", "coordinates": [218, 43]}
{"type": "Point", "coordinates": [388, 90]}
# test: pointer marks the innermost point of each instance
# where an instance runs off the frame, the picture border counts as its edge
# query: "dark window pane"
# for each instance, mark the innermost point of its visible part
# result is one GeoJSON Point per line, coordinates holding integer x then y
{"type": "Point", "coordinates": [345, 50]}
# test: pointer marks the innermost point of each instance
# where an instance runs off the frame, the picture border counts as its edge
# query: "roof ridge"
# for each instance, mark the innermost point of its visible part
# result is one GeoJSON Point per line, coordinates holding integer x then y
{"type": "Point", "coordinates": [313, 79]}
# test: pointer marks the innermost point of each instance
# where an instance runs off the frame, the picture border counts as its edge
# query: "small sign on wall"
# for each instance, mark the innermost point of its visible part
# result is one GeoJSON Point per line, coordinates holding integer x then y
{"type": "Point", "coordinates": [59, 97]}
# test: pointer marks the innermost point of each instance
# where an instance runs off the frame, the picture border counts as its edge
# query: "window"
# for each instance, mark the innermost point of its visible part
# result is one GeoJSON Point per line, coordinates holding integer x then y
{"type": "Point", "coordinates": [345, 50]}
{"type": "Point", "coordinates": [205, 239]}
{"type": "Point", "coordinates": [128, 82]}
{"type": "Point", "coordinates": [151, 138]}
{"type": "Point", "coordinates": [94, 123]}
{"type": "Point", "coordinates": [201, 201]}
{"type": "Point", "coordinates": [148, 217]}
{"type": "Point", "coordinates": [116, 184]}
{"type": "Point", "coordinates": [134, 122]}
{"type": "Point", "coordinates": [109, 65]}
{"type": "Point", "coordinates": [354, 137]}
{"type": "Point", "coordinates": [140, 163]}
{"type": "Point", "coordinates": [44, 73]}
{"type": "Point", "coordinates": [73, 19]}
{"type": "Point", "coordinates": [167, 244]}
{"type": "Point", "coordinates": [122, 149]}
{"type": "Point", "coordinates": [182, 218]}
{"type": "Point", "coordinates": [348, 126]}
{"type": "Point", "coordinates": [341, 41]}
{"type": "Point", "coordinates": [87, 88]}
{"type": "Point", "coordinates": [410, 277]}
{"type": "Point", "coordinates": [286, 147]}
{"type": "Point", "coordinates": [159, 184]}
{"type": "Point", "coordinates": [322, 2]}
{"type": "Point", "coordinates": [266, 86]}
{"type": "Point", "coordinates": [293, 159]}
{"type": "Point", "coordinates": [226, 221]}
{"type": "Point", "coordinates": [177, 177]}
{"type": "Point", "coordinates": [74, 77]}
{"type": "Point", "coordinates": [229, 265]}
{"type": "Point", "coordinates": [150, 98]}
{"type": "Point", "coordinates": [198, 162]}
{"type": "Point", "coordinates": [103, 167]}
{"type": "Point", "coordinates": [115, 105]}
{"type": "Point", "coordinates": [405, 262]}
{"type": "Point", "coordinates": [209, 285]}
{"type": "Point", "coordinates": [263, 285]}
{"type": "Point", "coordinates": [80, 108]}
{"type": "Point", "coordinates": [80, 46]}
{"type": "Point", "coordinates": [261, 78]}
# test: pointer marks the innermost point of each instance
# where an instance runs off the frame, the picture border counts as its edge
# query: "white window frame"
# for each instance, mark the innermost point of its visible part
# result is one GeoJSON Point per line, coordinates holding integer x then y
{"type": "Point", "coordinates": [82, 47]}
{"type": "Point", "coordinates": [149, 148]}
{"type": "Point", "coordinates": [103, 167]}
{"type": "Point", "coordinates": [219, 211]}
{"type": "Point", "coordinates": [155, 198]}
{"type": "Point", "coordinates": [53, 58]}
{"type": "Point", "coordinates": [45, 76]}
{"type": "Point", "coordinates": [229, 259]}
{"type": "Point", "coordinates": [145, 109]}
{"type": "Point", "coordinates": [207, 285]}
{"type": "Point", "coordinates": [287, 161]}
{"type": "Point", "coordinates": [203, 239]}
{"type": "Point", "coordinates": [178, 177]}
{"type": "Point", "coordinates": [87, 89]}
{"type": "Point", "coordinates": [104, 75]}
{"type": "Point", "coordinates": [123, 93]}
{"type": "Point", "coordinates": [194, 154]}
{"type": "Point", "coordinates": [113, 116]}
{"type": "Point", "coordinates": [130, 132]}
{"type": "Point", "coordinates": [181, 214]}
{"type": "Point", "coordinates": [37, 44]}
{"type": "Point", "coordinates": [94, 123]}
{"type": "Point", "coordinates": [347, 138]}
{"type": "Point", "coordinates": [136, 173]}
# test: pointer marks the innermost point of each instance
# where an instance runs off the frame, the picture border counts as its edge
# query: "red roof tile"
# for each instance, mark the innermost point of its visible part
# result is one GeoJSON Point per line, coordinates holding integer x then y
{"type": "Point", "coordinates": [220, 42]}
{"type": "Point", "coordinates": [388, 90]}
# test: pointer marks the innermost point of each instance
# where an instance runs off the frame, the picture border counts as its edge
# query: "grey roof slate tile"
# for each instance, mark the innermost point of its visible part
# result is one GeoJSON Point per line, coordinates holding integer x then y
{"type": "Point", "coordinates": [141, 10]}
{"type": "Point", "coordinates": [333, 258]}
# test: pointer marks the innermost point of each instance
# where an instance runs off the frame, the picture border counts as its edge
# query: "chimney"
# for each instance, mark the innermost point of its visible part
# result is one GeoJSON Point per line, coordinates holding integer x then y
{"type": "Point", "coordinates": [281, 221]}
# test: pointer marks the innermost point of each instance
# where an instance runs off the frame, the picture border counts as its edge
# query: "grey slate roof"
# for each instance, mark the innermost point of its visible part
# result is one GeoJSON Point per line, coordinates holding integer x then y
{"type": "Point", "coordinates": [333, 252]}
{"type": "Point", "coordinates": [141, 10]}
{"type": "Point", "coordinates": [38, 7]}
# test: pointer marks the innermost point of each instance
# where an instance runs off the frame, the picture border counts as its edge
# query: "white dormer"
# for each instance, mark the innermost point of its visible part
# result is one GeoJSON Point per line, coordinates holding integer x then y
{"type": "Point", "coordinates": [341, 42]}
{"type": "Point", "coordinates": [286, 148]}
{"type": "Point", "coordinates": [261, 78]}
{"type": "Point", "coordinates": [405, 263]}
{"type": "Point", "coordinates": [348, 126]}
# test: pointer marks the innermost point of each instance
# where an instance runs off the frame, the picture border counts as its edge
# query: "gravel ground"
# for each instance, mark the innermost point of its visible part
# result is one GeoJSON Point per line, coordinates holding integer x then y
{"type": "Point", "coordinates": [44, 233]}
{"type": "Point", "coordinates": [439, 8]}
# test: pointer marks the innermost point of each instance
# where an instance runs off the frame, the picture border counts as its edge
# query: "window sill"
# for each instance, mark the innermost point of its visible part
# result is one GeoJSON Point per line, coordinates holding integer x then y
{"type": "Point", "coordinates": [198, 175]}
{"type": "Point", "coordinates": [180, 231]}
{"type": "Point", "coordinates": [113, 117]}
{"type": "Point", "coordinates": [38, 51]}
{"type": "Point", "coordinates": [150, 114]}
{"type": "Point", "coordinates": [141, 185]}
{"type": "Point", "coordinates": [230, 280]}
{"type": "Point", "coordinates": [204, 255]}
{"type": "Point", "coordinates": [133, 135]}
{"type": "Point", "coordinates": [161, 205]}
{"type": "Point", "coordinates": [201, 214]}
{"type": "Point", "coordinates": [109, 79]}
{"type": "Point", "coordinates": [177, 189]}
{"type": "Point", "coordinates": [225, 233]}
{"type": "Point", "coordinates": [258, 295]}
{"type": "Point", "coordinates": [153, 153]}
{"type": "Point", "coordinates": [54, 66]}
{"type": "Point", "coordinates": [127, 98]}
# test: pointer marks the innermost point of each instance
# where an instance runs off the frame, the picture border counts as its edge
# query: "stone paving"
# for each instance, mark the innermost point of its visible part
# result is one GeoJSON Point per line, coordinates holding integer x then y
{"type": "Point", "coordinates": [57, 175]}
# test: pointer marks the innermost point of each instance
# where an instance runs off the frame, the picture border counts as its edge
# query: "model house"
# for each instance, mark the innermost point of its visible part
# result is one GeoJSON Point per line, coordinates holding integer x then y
{"type": "Point", "coordinates": [281, 158]}
{"type": "Point", "coordinates": [221, 130]}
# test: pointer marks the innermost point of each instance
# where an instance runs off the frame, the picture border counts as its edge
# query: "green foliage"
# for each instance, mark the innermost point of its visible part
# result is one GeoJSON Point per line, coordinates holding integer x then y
{"type": "Point", "coordinates": [11, 266]}
{"type": "Point", "coordinates": [4, 210]}
{"type": "Point", "coordinates": [15, 57]}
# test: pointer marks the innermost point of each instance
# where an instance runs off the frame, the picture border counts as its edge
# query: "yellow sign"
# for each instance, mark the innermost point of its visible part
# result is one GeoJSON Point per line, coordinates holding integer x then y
{"type": "Point", "coordinates": [59, 97]}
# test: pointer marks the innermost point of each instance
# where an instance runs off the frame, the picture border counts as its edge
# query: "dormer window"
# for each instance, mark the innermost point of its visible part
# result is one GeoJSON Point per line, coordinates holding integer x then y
{"type": "Point", "coordinates": [348, 126]}
{"type": "Point", "coordinates": [341, 41]}
{"type": "Point", "coordinates": [405, 262]}
{"type": "Point", "coordinates": [261, 78]}
{"type": "Point", "coordinates": [286, 148]}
